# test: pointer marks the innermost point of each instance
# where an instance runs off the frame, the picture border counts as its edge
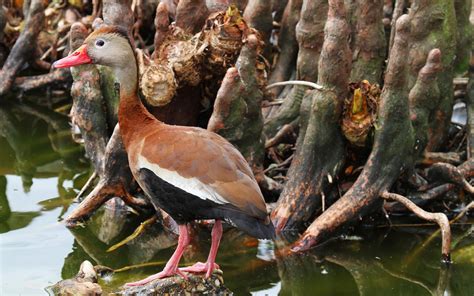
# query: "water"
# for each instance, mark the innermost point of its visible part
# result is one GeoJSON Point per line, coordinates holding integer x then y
{"type": "Point", "coordinates": [42, 169]}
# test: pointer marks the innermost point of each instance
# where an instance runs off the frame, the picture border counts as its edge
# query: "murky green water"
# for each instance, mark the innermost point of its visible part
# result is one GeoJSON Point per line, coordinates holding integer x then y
{"type": "Point", "coordinates": [41, 170]}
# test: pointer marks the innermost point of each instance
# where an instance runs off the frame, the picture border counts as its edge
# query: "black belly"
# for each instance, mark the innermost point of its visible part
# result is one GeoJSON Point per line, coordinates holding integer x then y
{"type": "Point", "coordinates": [179, 204]}
{"type": "Point", "coordinates": [185, 207]}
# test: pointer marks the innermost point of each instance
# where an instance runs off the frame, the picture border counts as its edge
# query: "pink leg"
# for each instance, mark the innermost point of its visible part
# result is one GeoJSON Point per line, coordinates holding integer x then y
{"type": "Point", "coordinates": [210, 265]}
{"type": "Point", "coordinates": [171, 267]}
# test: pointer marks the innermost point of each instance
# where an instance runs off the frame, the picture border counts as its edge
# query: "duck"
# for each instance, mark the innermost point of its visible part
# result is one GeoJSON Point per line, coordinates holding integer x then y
{"type": "Point", "coordinates": [189, 172]}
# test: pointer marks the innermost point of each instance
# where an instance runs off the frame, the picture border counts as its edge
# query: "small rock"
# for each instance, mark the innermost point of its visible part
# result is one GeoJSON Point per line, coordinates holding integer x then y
{"type": "Point", "coordinates": [84, 283]}
{"type": "Point", "coordinates": [176, 285]}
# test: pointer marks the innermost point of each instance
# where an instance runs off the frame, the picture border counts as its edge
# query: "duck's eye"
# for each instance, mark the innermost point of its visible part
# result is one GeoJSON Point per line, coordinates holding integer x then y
{"type": "Point", "coordinates": [99, 43]}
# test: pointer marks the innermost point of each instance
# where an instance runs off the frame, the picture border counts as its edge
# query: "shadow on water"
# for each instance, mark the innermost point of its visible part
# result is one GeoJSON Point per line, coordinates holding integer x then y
{"type": "Point", "coordinates": [36, 145]}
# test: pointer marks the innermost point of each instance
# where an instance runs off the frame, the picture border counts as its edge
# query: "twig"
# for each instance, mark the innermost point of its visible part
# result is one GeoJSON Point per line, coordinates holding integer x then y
{"type": "Point", "coordinates": [282, 134]}
{"type": "Point", "coordinates": [281, 164]}
{"type": "Point", "coordinates": [434, 234]}
{"type": "Point", "coordinates": [136, 233]}
{"type": "Point", "coordinates": [454, 158]}
{"type": "Point", "coordinates": [295, 82]}
{"type": "Point", "coordinates": [60, 42]}
{"type": "Point", "coordinates": [147, 264]}
{"type": "Point", "coordinates": [449, 173]}
{"type": "Point", "coordinates": [87, 185]}
{"type": "Point", "coordinates": [439, 218]}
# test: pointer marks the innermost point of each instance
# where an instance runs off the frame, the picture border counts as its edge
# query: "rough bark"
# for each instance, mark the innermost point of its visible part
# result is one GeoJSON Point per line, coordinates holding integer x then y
{"type": "Point", "coordinates": [310, 36]}
{"type": "Point", "coordinates": [423, 98]}
{"type": "Point", "coordinates": [320, 149]}
{"type": "Point", "coordinates": [258, 15]}
{"type": "Point", "coordinates": [217, 5]}
{"type": "Point", "coordinates": [118, 12]}
{"type": "Point", "coordinates": [24, 47]}
{"type": "Point", "coordinates": [470, 106]}
{"type": "Point", "coordinates": [191, 15]}
{"type": "Point", "coordinates": [183, 60]}
{"type": "Point", "coordinates": [237, 112]}
{"type": "Point", "coordinates": [434, 26]}
{"type": "Point", "coordinates": [3, 22]}
{"type": "Point", "coordinates": [287, 44]}
{"type": "Point", "coordinates": [390, 154]}
{"type": "Point", "coordinates": [88, 104]}
{"type": "Point", "coordinates": [95, 112]}
{"type": "Point", "coordinates": [27, 83]}
{"type": "Point", "coordinates": [398, 9]}
{"type": "Point", "coordinates": [369, 42]}
{"type": "Point", "coordinates": [162, 23]}
{"type": "Point", "coordinates": [116, 181]}
{"type": "Point", "coordinates": [464, 34]}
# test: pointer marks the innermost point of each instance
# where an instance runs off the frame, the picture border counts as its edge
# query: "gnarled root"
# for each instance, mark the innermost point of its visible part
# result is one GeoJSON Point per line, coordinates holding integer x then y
{"type": "Point", "coordinates": [385, 162]}
{"type": "Point", "coordinates": [320, 147]}
{"type": "Point", "coordinates": [439, 218]}
{"type": "Point", "coordinates": [24, 46]}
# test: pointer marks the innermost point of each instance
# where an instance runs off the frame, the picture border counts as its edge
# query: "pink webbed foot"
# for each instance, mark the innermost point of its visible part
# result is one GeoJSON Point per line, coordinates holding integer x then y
{"type": "Point", "coordinates": [200, 267]}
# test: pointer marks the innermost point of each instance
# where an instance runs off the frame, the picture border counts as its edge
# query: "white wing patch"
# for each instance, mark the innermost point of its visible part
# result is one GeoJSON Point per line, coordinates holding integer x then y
{"type": "Point", "coordinates": [190, 185]}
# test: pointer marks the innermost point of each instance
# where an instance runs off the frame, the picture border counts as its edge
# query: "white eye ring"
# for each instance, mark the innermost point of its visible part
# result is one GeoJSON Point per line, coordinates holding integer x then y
{"type": "Point", "coordinates": [99, 43]}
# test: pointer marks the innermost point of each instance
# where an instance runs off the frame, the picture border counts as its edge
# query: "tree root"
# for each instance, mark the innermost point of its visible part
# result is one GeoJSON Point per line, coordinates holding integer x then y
{"type": "Point", "coordinates": [453, 158]}
{"type": "Point", "coordinates": [385, 162]}
{"type": "Point", "coordinates": [320, 146]}
{"type": "Point", "coordinates": [369, 42]}
{"type": "Point", "coordinates": [237, 115]}
{"type": "Point", "coordinates": [429, 33]}
{"type": "Point", "coordinates": [24, 46]}
{"type": "Point", "coordinates": [287, 131]}
{"type": "Point", "coordinates": [444, 172]}
{"type": "Point", "coordinates": [32, 82]}
{"type": "Point", "coordinates": [191, 15]}
{"type": "Point", "coordinates": [287, 44]}
{"type": "Point", "coordinates": [439, 218]}
{"type": "Point", "coordinates": [258, 15]}
{"type": "Point", "coordinates": [115, 181]}
{"type": "Point", "coordinates": [310, 37]}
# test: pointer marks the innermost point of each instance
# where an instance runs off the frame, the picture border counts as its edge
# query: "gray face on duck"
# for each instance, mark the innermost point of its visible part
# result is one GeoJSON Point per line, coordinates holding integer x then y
{"type": "Point", "coordinates": [107, 46]}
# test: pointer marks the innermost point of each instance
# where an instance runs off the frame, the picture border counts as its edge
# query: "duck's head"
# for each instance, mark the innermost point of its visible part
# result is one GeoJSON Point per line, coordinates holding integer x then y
{"type": "Point", "coordinates": [108, 46]}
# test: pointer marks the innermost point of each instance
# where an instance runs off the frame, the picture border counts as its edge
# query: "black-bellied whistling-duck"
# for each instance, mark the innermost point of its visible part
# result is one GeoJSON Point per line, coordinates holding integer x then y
{"type": "Point", "coordinates": [189, 172]}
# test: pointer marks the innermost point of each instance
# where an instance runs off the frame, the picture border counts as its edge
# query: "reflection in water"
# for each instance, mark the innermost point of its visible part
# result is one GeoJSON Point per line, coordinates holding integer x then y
{"type": "Point", "coordinates": [36, 144]}
{"type": "Point", "coordinates": [24, 126]}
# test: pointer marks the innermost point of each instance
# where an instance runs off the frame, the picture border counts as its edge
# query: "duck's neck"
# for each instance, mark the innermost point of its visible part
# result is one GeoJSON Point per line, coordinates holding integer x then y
{"type": "Point", "coordinates": [132, 114]}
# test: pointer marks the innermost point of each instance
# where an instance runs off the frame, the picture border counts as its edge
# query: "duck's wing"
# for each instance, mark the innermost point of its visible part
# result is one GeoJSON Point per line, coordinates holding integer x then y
{"type": "Point", "coordinates": [204, 164]}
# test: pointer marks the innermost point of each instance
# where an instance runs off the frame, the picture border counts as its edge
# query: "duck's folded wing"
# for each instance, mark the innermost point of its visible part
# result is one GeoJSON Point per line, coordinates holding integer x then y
{"type": "Point", "coordinates": [205, 165]}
